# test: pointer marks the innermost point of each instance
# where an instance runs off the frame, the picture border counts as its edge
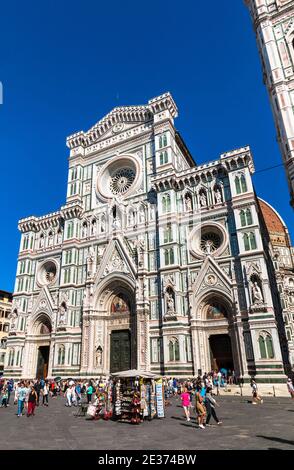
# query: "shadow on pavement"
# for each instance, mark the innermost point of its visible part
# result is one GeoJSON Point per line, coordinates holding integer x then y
{"type": "Point", "coordinates": [277, 439]}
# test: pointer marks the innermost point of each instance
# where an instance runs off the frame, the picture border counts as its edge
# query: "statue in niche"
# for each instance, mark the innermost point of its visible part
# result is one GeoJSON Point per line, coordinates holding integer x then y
{"type": "Point", "coordinates": [152, 211]}
{"type": "Point", "coordinates": [59, 237]}
{"type": "Point", "coordinates": [98, 357]}
{"type": "Point", "coordinates": [13, 318]}
{"type": "Point", "coordinates": [62, 314]}
{"type": "Point", "coordinates": [50, 240]}
{"type": "Point", "coordinates": [85, 231]}
{"type": "Point", "coordinates": [142, 216]}
{"type": "Point", "coordinates": [203, 200]}
{"type": "Point", "coordinates": [91, 262]}
{"type": "Point", "coordinates": [94, 227]}
{"type": "Point", "coordinates": [170, 304]}
{"type": "Point", "coordinates": [188, 203]}
{"type": "Point", "coordinates": [256, 294]}
{"type": "Point", "coordinates": [103, 224]}
{"type": "Point", "coordinates": [41, 242]}
{"type": "Point", "coordinates": [131, 220]}
{"type": "Point", "coordinates": [218, 196]}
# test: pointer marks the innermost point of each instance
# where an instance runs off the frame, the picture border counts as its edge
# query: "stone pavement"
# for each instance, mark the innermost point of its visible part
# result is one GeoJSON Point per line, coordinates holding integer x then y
{"type": "Point", "coordinates": [245, 426]}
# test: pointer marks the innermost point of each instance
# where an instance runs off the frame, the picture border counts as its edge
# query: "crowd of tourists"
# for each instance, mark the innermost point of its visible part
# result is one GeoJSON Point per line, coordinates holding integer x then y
{"type": "Point", "coordinates": [28, 394]}
{"type": "Point", "coordinates": [195, 394]}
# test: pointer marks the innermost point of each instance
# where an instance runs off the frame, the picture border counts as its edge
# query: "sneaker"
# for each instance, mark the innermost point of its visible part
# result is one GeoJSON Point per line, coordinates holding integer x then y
{"type": "Point", "coordinates": [188, 419]}
{"type": "Point", "coordinates": [201, 426]}
{"type": "Point", "coordinates": [220, 422]}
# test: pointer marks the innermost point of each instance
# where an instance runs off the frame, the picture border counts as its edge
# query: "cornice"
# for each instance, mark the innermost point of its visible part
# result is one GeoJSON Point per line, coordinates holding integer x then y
{"type": "Point", "coordinates": [124, 114]}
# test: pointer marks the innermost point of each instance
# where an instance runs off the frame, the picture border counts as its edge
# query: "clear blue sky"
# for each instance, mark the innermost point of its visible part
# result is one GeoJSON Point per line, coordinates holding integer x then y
{"type": "Point", "coordinates": [65, 64]}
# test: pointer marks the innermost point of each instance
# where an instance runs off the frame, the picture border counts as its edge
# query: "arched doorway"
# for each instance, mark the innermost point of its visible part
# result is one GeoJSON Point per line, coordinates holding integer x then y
{"type": "Point", "coordinates": [120, 339]}
{"type": "Point", "coordinates": [217, 316]}
{"type": "Point", "coordinates": [42, 337]}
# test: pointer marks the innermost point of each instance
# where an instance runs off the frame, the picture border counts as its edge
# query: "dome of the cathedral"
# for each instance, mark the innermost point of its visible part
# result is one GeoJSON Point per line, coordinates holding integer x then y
{"type": "Point", "coordinates": [274, 224]}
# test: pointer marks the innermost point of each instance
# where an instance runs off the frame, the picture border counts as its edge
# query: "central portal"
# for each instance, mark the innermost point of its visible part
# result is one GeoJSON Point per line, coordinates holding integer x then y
{"type": "Point", "coordinates": [120, 351]}
{"type": "Point", "coordinates": [221, 352]}
{"type": "Point", "coordinates": [43, 361]}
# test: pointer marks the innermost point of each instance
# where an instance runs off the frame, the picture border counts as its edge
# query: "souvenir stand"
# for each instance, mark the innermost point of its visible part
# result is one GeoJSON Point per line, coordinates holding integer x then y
{"type": "Point", "coordinates": [137, 396]}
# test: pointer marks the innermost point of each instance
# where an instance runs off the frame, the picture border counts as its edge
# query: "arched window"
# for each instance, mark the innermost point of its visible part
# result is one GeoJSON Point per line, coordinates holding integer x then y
{"type": "Point", "coordinates": [243, 218]}
{"type": "Point", "coordinates": [266, 345]}
{"type": "Point", "coordinates": [240, 184]}
{"type": "Point", "coordinates": [163, 157]}
{"type": "Point", "coordinates": [243, 184]}
{"type": "Point", "coordinates": [246, 242]}
{"type": "Point", "coordinates": [169, 257]}
{"type": "Point", "coordinates": [237, 185]}
{"type": "Point", "coordinates": [61, 355]}
{"type": "Point", "coordinates": [168, 236]}
{"type": "Point", "coordinates": [166, 205]}
{"type": "Point", "coordinates": [162, 141]}
{"type": "Point", "coordinates": [252, 241]}
{"type": "Point", "coordinates": [249, 220]}
{"type": "Point", "coordinates": [174, 350]}
{"type": "Point", "coordinates": [249, 241]}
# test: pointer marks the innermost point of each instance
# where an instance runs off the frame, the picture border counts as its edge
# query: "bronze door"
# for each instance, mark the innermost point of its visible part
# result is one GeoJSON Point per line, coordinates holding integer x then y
{"type": "Point", "coordinates": [120, 351]}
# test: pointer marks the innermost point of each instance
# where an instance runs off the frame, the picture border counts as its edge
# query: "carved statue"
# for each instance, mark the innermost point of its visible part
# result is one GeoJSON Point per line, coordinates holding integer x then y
{"type": "Point", "coordinates": [170, 304]}
{"type": "Point", "coordinates": [98, 356]}
{"type": "Point", "coordinates": [41, 242]}
{"type": "Point", "coordinates": [103, 224]}
{"type": "Point", "coordinates": [256, 294]}
{"type": "Point", "coordinates": [59, 237]}
{"type": "Point", "coordinates": [188, 204]}
{"type": "Point", "coordinates": [62, 314]}
{"type": "Point", "coordinates": [142, 216]}
{"type": "Point", "coordinates": [218, 196]}
{"type": "Point", "coordinates": [91, 262]}
{"type": "Point", "coordinates": [85, 231]}
{"type": "Point", "coordinates": [50, 240]}
{"type": "Point", "coordinates": [93, 228]}
{"type": "Point", "coordinates": [203, 200]}
{"type": "Point", "coordinates": [152, 211]}
{"type": "Point", "coordinates": [13, 318]}
{"type": "Point", "coordinates": [131, 220]}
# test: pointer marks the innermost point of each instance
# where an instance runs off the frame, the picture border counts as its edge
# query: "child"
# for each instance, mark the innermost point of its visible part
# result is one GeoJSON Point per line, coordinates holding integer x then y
{"type": "Point", "coordinates": [4, 397]}
{"type": "Point", "coordinates": [186, 403]}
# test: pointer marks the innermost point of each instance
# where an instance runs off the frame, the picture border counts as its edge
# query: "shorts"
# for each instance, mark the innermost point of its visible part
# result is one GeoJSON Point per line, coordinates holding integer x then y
{"type": "Point", "coordinates": [201, 410]}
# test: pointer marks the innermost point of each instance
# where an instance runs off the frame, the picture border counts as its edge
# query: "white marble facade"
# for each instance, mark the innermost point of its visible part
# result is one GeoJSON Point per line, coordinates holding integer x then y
{"type": "Point", "coordinates": [153, 261]}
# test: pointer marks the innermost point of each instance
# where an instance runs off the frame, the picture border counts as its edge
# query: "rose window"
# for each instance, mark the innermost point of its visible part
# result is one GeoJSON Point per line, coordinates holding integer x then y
{"type": "Point", "coordinates": [47, 273]}
{"type": "Point", "coordinates": [122, 180]}
{"type": "Point", "coordinates": [210, 242]}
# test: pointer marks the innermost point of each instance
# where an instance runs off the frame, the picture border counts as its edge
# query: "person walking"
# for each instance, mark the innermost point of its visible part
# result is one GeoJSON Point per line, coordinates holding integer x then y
{"type": "Point", "coordinates": [290, 387]}
{"type": "Point", "coordinates": [186, 403]}
{"type": "Point", "coordinates": [200, 409]}
{"type": "Point", "coordinates": [210, 404]}
{"type": "Point", "coordinates": [21, 396]}
{"type": "Point", "coordinates": [45, 392]}
{"type": "Point", "coordinates": [256, 398]}
{"type": "Point", "coordinates": [32, 400]}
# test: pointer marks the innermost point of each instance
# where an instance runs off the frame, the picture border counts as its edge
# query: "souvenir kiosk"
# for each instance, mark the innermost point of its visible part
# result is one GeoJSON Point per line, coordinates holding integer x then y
{"type": "Point", "coordinates": [137, 396]}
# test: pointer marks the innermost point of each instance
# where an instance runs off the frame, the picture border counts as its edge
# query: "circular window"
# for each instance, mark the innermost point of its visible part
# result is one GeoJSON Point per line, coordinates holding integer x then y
{"type": "Point", "coordinates": [208, 239]}
{"type": "Point", "coordinates": [47, 273]}
{"type": "Point", "coordinates": [119, 177]}
{"type": "Point", "coordinates": [210, 242]}
{"type": "Point", "coordinates": [122, 180]}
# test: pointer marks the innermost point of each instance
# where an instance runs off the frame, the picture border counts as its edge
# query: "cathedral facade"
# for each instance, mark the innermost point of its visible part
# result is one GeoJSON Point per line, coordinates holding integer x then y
{"type": "Point", "coordinates": [154, 262]}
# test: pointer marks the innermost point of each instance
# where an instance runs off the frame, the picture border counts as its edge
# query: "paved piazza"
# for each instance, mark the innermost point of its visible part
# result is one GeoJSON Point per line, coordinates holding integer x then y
{"type": "Point", "coordinates": [245, 426]}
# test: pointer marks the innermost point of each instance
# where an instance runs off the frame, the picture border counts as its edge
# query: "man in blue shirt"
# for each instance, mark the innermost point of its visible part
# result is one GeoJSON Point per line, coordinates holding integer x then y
{"type": "Point", "coordinates": [21, 396]}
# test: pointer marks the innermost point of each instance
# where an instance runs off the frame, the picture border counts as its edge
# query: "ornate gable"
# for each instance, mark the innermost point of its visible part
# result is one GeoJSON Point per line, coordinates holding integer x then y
{"type": "Point", "coordinates": [115, 259]}
{"type": "Point", "coordinates": [211, 277]}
